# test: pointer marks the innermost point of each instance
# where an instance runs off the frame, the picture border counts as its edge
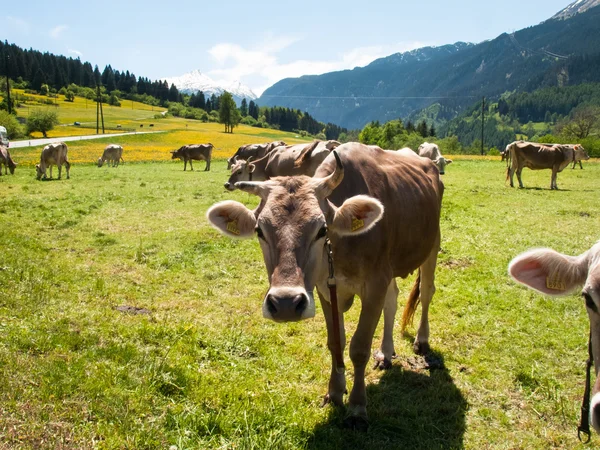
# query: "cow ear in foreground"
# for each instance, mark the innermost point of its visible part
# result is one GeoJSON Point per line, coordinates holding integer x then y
{"type": "Point", "coordinates": [232, 219]}
{"type": "Point", "coordinates": [357, 215]}
{"type": "Point", "coordinates": [448, 161]}
{"type": "Point", "coordinates": [548, 272]}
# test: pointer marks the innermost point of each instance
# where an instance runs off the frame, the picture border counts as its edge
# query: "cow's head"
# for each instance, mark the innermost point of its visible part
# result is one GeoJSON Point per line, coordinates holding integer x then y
{"type": "Point", "coordinates": [12, 166]}
{"type": "Point", "coordinates": [580, 153]}
{"type": "Point", "coordinates": [100, 162]}
{"type": "Point", "coordinates": [441, 162]}
{"type": "Point", "coordinates": [291, 223]}
{"type": "Point", "coordinates": [555, 274]}
{"type": "Point", "coordinates": [38, 172]}
{"type": "Point", "coordinates": [176, 154]}
{"type": "Point", "coordinates": [241, 170]}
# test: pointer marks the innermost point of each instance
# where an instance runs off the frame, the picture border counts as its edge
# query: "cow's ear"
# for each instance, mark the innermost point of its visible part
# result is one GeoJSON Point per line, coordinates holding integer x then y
{"type": "Point", "coordinates": [357, 215]}
{"type": "Point", "coordinates": [232, 219]}
{"type": "Point", "coordinates": [448, 161]}
{"type": "Point", "coordinates": [549, 272]}
{"type": "Point", "coordinates": [251, 168]}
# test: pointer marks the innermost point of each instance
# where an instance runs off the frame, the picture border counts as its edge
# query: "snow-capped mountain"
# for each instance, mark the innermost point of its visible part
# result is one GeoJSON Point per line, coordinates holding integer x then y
{"type": "Point", "coordinates": [195, 81]}
{"type": "Point", "coordinates": [576, 7]}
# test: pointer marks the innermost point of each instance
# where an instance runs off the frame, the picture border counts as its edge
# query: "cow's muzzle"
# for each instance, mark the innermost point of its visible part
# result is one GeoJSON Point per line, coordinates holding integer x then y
{"type": "Point", "coordinates": [287, 305]}
{"type": "Point", "coordinates": [229, 186]}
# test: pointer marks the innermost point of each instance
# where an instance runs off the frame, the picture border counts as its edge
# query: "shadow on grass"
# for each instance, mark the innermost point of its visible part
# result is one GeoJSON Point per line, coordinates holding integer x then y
{"type": "Point", "coordinates": [407, 410]}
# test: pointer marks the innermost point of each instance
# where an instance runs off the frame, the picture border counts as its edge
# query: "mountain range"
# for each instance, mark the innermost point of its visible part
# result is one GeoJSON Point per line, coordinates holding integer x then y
{"type": "Point", "coordinates": [195, 81]}
{"type": "Point", "coordinates": [453, 76]}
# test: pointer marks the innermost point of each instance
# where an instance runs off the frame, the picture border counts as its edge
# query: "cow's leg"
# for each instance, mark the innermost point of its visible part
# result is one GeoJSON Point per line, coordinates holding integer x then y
{"type": "Point", "coordinates": [553, 178]}
{"type": "Point", "coordinates": [385, 354]}
{"type": "Point", "coordinates": [421, 345]}
{"type": "Point", "coordinates": [511, 172]}
{"type": "Point", "coordinates": [68, 168]}
{"type": "Point", "coordinates": [580, 165]}
{"type": "Point", "coordinates": [519, 170]}
{"type": "Point", "coordinates": [50, 171]}
{"type": "Point", "coordinates": [207, 168]}
{"type": "Point", "coordinates": [59, 170]}
{"type": "Point", "coordinates": [337, 380]}
{"type": "Point", "coordinates": [184, 164]}
{"type": "Point", "coordinates": [360, 348]}
{"type": "Point", "coordinates": [191, 167]}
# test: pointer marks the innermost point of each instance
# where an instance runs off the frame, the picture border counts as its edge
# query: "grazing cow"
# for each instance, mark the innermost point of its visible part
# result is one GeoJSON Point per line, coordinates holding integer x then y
{"type": "Point", "coordinates": [541, 156]}
{"type": "Point", "coordinates": [432, 151]}
{"type": "Point", "coordinates": [6, 161]}
{"type": "Point", "coordinates": [299, 159]}
{"type": "Point", "coordinates": [113, 153]}
{"type": "Point", "coordinates": [53, 154]}
{"type": "Point", "coordinates": [555, 274]}
{"type": "Point", "coordinates": [198, 152]}
{"type": "Point", "coordinates": [380, 210]}
{"type": "Point", "coordinates": [255, 151]}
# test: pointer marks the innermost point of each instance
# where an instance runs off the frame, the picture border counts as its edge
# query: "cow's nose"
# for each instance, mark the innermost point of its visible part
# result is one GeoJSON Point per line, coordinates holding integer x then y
{"type": "Point", "coordinates": [227, 186]}
{"type": "Point", "coordinates": [286, 308]}
{"type": "Point", "coordinates": [442, 173]}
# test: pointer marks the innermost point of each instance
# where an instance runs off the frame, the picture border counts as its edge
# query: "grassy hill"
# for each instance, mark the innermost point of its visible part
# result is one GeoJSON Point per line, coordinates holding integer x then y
{"type": "Point", "coordinates": [142, 147]}
{"type": "Point", "coordinates": [203, 369]}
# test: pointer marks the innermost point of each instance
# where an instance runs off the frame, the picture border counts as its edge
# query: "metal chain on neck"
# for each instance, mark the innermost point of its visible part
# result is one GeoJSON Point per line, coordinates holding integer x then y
{"type": "Point", "coordinates": [584, 425]}
{"type": "Point", "coordinates": [335, 314]}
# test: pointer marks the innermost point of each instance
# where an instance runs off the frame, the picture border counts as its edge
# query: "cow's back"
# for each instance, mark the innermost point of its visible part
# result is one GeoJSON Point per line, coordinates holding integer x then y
{"type": "Point", "coordinates": [411, 192]}
{"type": "Point", "coordinates": [54, 153]}
{"type": "Point", "coordinates": [538, 156]}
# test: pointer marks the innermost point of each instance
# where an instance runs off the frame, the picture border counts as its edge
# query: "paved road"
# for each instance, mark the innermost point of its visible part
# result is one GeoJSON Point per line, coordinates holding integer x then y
{"type": "Point", "coordinates": [35, 142]}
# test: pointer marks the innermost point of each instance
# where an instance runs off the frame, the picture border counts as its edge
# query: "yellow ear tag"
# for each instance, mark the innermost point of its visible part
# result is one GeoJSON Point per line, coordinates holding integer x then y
{"type": "Point", "coordinates": [357, 224]}
{"type": "Point", "coordinates": [232, 227]}
{"type": "Point", "coordinates": [555, 283]}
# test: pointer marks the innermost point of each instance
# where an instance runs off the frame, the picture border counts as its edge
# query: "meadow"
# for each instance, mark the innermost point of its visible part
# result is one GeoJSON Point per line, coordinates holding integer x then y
{"type": "Point", "coordinates": [126, 321]}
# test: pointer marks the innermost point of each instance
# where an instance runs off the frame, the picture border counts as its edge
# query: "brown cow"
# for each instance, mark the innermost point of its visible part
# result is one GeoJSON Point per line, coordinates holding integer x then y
{"type": "Point", "coordinates": [53, 154]}
{"type": "Point", "coordinates": [555, 274]}
{"type": "Point", "coordinates": [299, 159]}
{"type": "Point", "coordinates": [255, 151]}
{"type": "Point", "coordinates": [6, 161]}
{"type": "Point", "coordinates": [540, 156]}
{"type": "Point", "coordinates": [381, 211]}
{"type": "Point", "coordinates": [198, 152]}
{"type": "Point", "coordinates": [113, 153]}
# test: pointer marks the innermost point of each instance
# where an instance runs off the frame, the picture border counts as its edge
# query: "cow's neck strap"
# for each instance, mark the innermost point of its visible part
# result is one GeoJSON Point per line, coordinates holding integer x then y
{"type": "Point", "coordinates": [584, 425]}
{"type": "Point", "coordinates": [250, 176]}
{"type": "Point", "coordinates": [335, 313]}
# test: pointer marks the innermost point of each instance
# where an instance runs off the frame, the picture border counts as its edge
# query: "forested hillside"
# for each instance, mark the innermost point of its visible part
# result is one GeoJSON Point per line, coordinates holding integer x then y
{"type": "Point", "coordinates": [553, 53]}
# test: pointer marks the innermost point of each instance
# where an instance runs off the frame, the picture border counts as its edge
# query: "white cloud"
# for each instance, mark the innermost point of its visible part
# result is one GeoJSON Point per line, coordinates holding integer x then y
{"type": "Point", "coordinates": [234, 62]}
{"type": "Point", "coordinates": [56, 31]}
{"type": "Point", "coordinates": [75, 52]}
{"type": "Point", "coordinates": [19, 24]}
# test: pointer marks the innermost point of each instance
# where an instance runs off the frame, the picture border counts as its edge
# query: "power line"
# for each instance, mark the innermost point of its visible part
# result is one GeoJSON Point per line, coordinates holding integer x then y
{"type": "Point", "coordinates": [317, 97]}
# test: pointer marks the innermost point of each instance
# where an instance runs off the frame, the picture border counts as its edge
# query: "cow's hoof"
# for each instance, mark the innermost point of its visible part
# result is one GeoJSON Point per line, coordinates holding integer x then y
{"type": "Point", "coordinates": [421, 348]}
{"type": "Point", "coordinates": [381, 362]}
{"type": "Point", "coordinates": [332, 399]}
{"type": "Point", "coordinates": [356, 423]}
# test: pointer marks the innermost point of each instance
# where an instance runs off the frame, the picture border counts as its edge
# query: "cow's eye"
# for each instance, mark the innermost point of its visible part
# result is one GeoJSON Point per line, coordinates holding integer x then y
{"type": "Point", "coordinates": [259, 233]}
{"type": "Point", "coordinates": [322, 232]}
{"type": "Point", "coordinates": [239, 172]}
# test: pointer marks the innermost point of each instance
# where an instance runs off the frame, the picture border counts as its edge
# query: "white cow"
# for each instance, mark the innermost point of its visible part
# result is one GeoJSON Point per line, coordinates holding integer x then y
{"type": "Point", "coordinates": [432, 151]}
{"type": "Point", "coordinates": [53, 154]}
{"type": "Point", "coordinates": [113, 153]}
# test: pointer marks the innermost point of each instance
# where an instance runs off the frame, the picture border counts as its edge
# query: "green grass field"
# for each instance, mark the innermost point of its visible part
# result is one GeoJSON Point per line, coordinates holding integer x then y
{"type": "Point", "coordinates": [203, 369]}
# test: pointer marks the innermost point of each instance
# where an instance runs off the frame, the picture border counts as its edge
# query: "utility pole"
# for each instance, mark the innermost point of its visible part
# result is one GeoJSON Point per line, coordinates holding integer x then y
{"type": "Point", "coordinates": [8, 84]}
{"type": "Point", "coordinates": [482, 120]}
{"type": "Point", "coordinates": [97, 108]}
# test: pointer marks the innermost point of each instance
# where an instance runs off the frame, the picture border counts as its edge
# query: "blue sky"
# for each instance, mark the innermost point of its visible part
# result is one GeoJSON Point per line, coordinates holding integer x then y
{"type": "Point", "coordinates": [256, 42]}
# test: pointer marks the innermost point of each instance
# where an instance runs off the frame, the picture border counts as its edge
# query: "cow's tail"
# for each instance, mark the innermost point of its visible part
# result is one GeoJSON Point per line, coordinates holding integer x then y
{"type": "Point", "coordinates": [412, 303]}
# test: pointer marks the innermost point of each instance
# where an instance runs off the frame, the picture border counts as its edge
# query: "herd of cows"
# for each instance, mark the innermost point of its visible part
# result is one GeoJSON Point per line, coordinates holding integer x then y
{"type": "Point", "coordinates": [348, 219]}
